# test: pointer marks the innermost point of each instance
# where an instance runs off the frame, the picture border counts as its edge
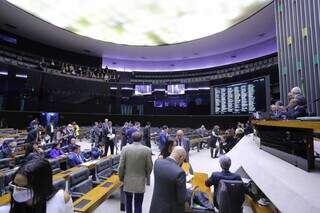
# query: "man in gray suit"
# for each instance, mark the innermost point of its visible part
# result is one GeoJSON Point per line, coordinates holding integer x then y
{"type": "Point", "coordinates": [169, 193]}
{"type": "Point", "coordinates": [184, 142]}
{"type": "Point", "coordinates": [135, 166]}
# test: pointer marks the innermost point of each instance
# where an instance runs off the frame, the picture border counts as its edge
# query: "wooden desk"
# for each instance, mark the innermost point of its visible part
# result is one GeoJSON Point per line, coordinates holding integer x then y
{"type": "Point", "coordinates": [97, 195]}
{"type": "Point", "coordinates": [5, 199]}
{"type": "Point", "coordinates": [65, 174]}
{"type": "Point", "coordinates": [315, 125]}
{"type": "Point", "coordinates": [257, 208]}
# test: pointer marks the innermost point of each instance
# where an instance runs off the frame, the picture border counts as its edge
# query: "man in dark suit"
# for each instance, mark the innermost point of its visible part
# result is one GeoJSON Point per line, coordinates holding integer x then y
{"type": "Point", "coordinates": [169, 193]}
{"type": "Point", "coordinates": [132, 130]}
{"type": "Point", "coordinates": [146, 135]}
{"type": "Point", "coordinates": [184, 142]}
{"type": "Point", "coordinates": [95, 133]}
{"type": "Point", "coordinates": [225, 174]}
{"type": "Point", "coordinates": [109, 133]}
{"type": "Point", "coordinates": [163, 137]}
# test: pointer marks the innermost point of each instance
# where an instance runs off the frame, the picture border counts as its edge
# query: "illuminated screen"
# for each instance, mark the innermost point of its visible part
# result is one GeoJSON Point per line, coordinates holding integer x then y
{"type": "Point", "coordinates": [179, 103]}
{"type": "Point", "coordinates": [142, 90]}
{"type": "Point", "coordinates": [143, 22]}
{"type": "Point", "coordinates": [176, 89]}
{"type": "Point", "coordinates": [242, 97]}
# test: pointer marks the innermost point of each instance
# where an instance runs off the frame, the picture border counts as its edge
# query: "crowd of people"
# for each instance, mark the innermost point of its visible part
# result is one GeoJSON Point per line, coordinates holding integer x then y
{"type": "Point", "coordinates": [82, 71]}
{"type": "Point", "coordinates": [297, 106]}
{"type": "Point", "coordinates": [135, 167]}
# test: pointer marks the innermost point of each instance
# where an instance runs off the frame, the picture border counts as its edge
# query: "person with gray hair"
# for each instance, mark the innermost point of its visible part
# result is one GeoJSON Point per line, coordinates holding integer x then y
{"type": "Point", "coordinates": [134, 169]}
{"type": "Point", "coordinates": [225, 174]}
{"type": "Point", "coordinates": [296, 91]}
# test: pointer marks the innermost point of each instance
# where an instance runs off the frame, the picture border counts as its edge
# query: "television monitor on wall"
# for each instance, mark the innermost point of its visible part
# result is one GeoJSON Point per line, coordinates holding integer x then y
{"type": "Point", "coordinates": [176, 89]}
{"type": "Point", "coordinates": [245, 97]}
{"type": "Point", "coordinates": [143, 89]}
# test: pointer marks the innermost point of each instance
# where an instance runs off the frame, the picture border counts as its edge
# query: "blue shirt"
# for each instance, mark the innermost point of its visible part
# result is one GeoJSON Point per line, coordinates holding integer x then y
{"type": "Point", "coordinates": [129, 133]}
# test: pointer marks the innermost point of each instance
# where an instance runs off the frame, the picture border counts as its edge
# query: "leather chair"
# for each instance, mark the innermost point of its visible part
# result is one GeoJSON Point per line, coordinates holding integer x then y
{"type": "Point", "coordinates": [80, 183]}
{"type": "Point", "coordinates": [104, 169]}
{"type": "Point", "coordinates": [230, 196]}
{"type": "Point", "coordinates": [55, 166]}
{"type": "Point", "coordinates": [65, 149]}
{"type": "Point", "coordinates": [59, 184]}
{"type": "Point", "coordinates": [4, 163]}
{"type": "Point", "coordinates": [87, 153]}
{"type": "Point", "coordinates": [115, 161]}
{"type": "Point", "coordinates": [8, 177]}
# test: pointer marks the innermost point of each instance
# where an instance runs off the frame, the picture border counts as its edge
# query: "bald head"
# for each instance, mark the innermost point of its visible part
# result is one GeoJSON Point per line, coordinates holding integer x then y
{"type": "Point", "coordinates": [136, 136]}
{"type": "Point", "coordinates": [178, 154]}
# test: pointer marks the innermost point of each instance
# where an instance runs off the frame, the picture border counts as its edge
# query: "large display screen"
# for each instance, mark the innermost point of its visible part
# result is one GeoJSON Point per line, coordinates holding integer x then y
{"type": "Point", "coordinates": [241, 98]}
{"type": "Point", "coordinates": [179, 103]}
{"type": "Point", "coordinates": [176, 89]}
{"type": "Point", "coordinates": [143, 22]}
{"type": "Point", "coordinates": [143, 89]}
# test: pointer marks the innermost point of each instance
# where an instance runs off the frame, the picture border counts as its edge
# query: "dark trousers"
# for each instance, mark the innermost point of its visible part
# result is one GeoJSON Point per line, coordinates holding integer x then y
{"type": "Point", "coordinates": [138, 199]}
{"type": "Point", "coordinates": [106, 147]}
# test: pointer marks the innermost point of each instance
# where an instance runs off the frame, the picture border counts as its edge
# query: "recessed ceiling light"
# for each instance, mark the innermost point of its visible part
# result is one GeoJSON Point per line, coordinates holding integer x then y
{"type": "Point", "coordinates": [233, 56]}
{"type": "Point", "coordinates": [86, 51]}
{"type": "Point", "coordinates": [261, 35]}
{"type": "Point", "coordinates": [195, 53]}
{"type": "Point", "coordinates": [172, 65]}
{"type": "Point", "coordinates": [143, 57]}
{"type": "Point", "coordinates": [114, 62]}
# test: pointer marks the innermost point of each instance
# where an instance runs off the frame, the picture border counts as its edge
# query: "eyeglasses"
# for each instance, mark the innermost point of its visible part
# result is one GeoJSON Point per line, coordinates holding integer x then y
{"type": "Point", "coordinates": [18, 188]}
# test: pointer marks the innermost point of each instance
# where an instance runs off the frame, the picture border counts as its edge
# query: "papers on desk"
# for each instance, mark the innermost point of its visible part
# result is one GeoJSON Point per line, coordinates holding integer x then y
{"type": "Point", "coordinates": [89, 163]}
{"type": "Point", "coordinates": [246, 180]}
{"type": "Point", "coordinates": [189, 177]}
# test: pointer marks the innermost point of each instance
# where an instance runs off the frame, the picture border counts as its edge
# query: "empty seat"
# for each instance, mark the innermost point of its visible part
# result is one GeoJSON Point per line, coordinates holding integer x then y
{"type": "Point", "coordinates": [115, 161]}
{"type": "Point", "coordinates": [59, 184]}
{"type": "Point", "coordinates": [87, 153]}
{"type": "Point", "coordinates": [4, 163]}
{"type": "Point", "coordinates": [80, 183]}
{"type": "Point", "coordinates": [55, 165]}
{"type": "Point", "coordinates": [104, 169]}
{"type": "Point", "coordinates": [230, 196]}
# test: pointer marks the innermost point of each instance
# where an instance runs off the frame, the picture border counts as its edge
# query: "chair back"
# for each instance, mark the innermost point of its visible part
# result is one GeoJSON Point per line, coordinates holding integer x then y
{"type": "Point", "coordinates": [230, 196]}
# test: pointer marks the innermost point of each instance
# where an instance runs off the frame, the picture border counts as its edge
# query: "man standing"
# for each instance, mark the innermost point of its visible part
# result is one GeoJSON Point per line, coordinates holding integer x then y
{"type": "Point", "coordinates": [50, 130]}
{"type": "Point", "coordinates": [131, 130]}
{"type": "Point", "coordinates": [201, 133]}
{"type": "Point", "coordinates": [124, 139]}
{"type": "Point", "coordinates": [163, 137]}
{"type": "Point", "coordinates": [134, 168]}
{"type": "Point", "coordinates": [169, 193]}
{"type": "Point", "coordinates": [109, 133]}
{"type": "Point", "coordinates": [184, 142]}
{"type": "Point", "coordinates": [146, 135]}
{"type": "Point", "coordinates": [95, 133]}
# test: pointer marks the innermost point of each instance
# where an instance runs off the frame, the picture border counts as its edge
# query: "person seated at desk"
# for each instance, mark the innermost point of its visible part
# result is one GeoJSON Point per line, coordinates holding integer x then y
{"type": "Point", "coordinates": [8, 149]}
{"type": "Point", "coordinates": [296, 108]}
{"type": "Point", "coordinates": [225, 174]}
{"type": "Point", "coordinates": [96, 151]}
{"type": "Point", "coordinates": [168, 147]}
{"type": "Point", "coordinates": [56, 151]}
{"type": "Point", "coordinates": [33, 191]}
{"type": "Point", "coordinates": [33, 151]}
{"type": "Point", "coordinates": [75, 157]}
{"type": "Point", "coordinates": [72, 144]}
